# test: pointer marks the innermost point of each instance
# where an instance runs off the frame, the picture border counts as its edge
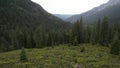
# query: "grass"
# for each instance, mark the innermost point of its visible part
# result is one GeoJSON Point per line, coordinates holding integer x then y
{"type": "Point", "coordinates": [62, 56]}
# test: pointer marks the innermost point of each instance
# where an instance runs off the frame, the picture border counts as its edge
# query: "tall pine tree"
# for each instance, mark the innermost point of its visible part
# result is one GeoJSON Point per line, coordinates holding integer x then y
{"type": "Point", "coordinates": [104, 32]}
{"type": "Point", "coordinates": [77, 31]}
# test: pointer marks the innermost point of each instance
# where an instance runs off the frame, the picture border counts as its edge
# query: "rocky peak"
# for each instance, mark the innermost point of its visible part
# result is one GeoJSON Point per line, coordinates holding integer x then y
{"type": "Point", "coordinates": [113, 2]}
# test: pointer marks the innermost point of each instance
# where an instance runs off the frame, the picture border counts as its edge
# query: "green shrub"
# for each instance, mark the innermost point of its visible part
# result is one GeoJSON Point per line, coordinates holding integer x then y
{"type": "Point", "coordinates": [75, 42]}
{"type": "Point", "coordinates": [115, 45]}
{"type": "Point", "coordinates": [83, 49]}
{"type": "Point", "coordinates": [23, 57]}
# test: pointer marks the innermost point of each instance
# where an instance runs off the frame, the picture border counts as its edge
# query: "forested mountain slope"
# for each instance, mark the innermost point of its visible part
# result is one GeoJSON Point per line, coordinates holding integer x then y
{"type": "Point", "coordinates": [23, 23]}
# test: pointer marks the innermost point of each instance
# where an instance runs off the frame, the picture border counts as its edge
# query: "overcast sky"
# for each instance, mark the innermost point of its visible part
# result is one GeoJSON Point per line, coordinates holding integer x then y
{"type": "Point", "coordinates": [69, 6]}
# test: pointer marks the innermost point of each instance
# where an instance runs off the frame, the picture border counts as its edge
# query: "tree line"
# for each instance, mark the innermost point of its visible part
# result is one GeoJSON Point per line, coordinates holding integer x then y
{"type": "Point", "coordinates": [100, 32]}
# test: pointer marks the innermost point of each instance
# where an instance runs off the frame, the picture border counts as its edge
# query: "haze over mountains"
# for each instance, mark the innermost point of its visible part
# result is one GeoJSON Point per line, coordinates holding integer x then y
{"type": "Point", "coordinates": [110, 9]}
{"type": "Point", "coordinates": [63, 16]}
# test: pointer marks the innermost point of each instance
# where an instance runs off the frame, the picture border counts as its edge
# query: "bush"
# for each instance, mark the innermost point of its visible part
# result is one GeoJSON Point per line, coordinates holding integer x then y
{"type": "Point", "coordinates": [83, 49]}
{"type": "Point", "coordinates": [115, 45]}
{"type": "Point", "coordinates": [75, 42]}
{"type": "Point", "coordinates": [23, 57]}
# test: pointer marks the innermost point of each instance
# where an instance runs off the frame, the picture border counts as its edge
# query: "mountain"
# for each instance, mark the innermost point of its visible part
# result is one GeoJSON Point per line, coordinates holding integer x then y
{"type": "Point", "coordinates": [110, 9]}
{"type": "Point", "coordinates": [27, 13]}
{"type": "Point", "coordinates": [63, 16]}
{"type": "Point", "coordinates": [24, 23]}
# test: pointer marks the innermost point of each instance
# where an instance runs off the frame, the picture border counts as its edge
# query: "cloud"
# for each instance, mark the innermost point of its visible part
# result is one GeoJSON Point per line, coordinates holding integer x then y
{"type": "Point", "coordinates": [69, 6]}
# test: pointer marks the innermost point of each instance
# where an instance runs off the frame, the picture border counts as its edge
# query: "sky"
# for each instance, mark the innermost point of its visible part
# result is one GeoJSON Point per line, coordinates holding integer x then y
{"type": "Point", "coordinates": [69, 6]}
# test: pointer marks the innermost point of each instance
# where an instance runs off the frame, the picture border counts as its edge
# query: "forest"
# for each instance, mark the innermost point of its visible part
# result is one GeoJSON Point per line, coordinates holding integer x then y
{"type": "Point", "coordinates": [100, 32]}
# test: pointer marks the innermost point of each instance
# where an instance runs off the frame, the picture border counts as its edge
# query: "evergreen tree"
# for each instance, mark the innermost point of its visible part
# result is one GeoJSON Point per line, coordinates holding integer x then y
{"type": "Point", "coordinates": [93, 36]}
{"type": "Point", "coordinates": [95, 33]}
{"type": "Point", "coordinates": [73, 32]}
{"type": "Point", "coordinates": [3, 44]}
{"type": "Point", "coordinates": [28, 42]}
{"type": "Point", "coordinates": [104, 32]}
{"type": "Point", "coordinates": [77, 31]}
{"type": "Point", "coordinates": [80, 31]}
{"type": "Point", "coordinates": [98, 31]}
{"type": "Point", "coordinates": [49, 40]}
{"type": "Point", "coordinates": [33, 43]}
{"type": "Point", "coordinates": [87, 34]}
{"type": "Point", "coordinates": [23, 56]}
{"type": "Point", "coordinates": [115, 45]}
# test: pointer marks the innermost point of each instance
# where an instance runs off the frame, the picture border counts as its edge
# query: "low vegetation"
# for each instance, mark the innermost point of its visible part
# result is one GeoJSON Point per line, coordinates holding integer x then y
{"type": "Point", "coordinates": [62, 56]}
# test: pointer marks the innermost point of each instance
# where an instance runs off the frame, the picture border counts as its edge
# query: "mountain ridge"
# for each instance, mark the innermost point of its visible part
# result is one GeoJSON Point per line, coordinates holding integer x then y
{"type": "Point", "coordinates": [108, 9]}
{"type": "Point", "coordinates": [25, 12]}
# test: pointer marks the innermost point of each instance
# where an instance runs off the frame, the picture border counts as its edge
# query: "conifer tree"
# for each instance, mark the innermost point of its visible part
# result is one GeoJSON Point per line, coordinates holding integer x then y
{"type": "Point", "coordinates": [87, 34]}
{"type": "Point", "coordinates": [104, 32]}
{"type": "Point", "coordinates": [98, 31]}
{"type": "Point", "coordinates": [80, 31]}
{"type": "Point", "coordinates": [77, 31]}
{"type": "Point", "coordinates": [74, 32]}
{"type": "Point", "coordinates": [93, 36]}
{"type": "Point", "coordinates": [23, 56]}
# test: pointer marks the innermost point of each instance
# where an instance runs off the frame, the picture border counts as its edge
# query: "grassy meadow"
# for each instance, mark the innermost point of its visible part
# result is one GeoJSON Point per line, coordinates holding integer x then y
{"type": "Point", "coordinates": [62, 56]}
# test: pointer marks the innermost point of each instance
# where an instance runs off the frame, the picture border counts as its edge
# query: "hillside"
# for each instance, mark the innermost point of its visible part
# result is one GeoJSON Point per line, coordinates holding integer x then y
{"type": "Point", "coordinates": [23, 23]}
{"type": "Point", "coordinates": [62, 56]}
{"type": "Point", "coordinates": [110, 9]}
{"type": "Point", "coordinates": [26, 13]}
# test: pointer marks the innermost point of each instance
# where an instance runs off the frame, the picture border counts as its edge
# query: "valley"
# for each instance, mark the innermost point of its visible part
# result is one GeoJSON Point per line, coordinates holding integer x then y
{"type": "Point", "coordinates": [31, 37]}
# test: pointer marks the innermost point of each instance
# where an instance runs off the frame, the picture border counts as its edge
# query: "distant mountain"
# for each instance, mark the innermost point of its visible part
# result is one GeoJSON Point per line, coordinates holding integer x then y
{"type": "Point", "coordinates": [63, 16]}
{"type": "Point", "coordinates": [110, 9]}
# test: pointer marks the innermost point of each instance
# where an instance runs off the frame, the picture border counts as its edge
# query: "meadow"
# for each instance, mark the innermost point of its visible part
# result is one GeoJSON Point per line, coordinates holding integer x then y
{"type": "Point", "coordinates": [62, 56]}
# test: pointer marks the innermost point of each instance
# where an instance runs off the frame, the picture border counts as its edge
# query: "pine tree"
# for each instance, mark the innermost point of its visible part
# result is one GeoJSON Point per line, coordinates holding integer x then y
{"type": "Point", "coordinates": [104, 32]}
{"type": "Point", "coordinates": [33, 43]}
{"type": "Point", "coordinates": [115, 45]}
{"type": "Point", "coordinates": [23, 56]}
{"type": "Point", "coordinates": [93, 36]}
{"type": "Point", "coordinates": [49, 40]}
{"type": "Point", "coordinates": [87, 34]}
{"type": "Point", "coordinates": [74, 32]}
{"type": "Point", "coordinates": [98, 31]}
{"type": "Point", "coordinates": [77, 31]}
{"type": "Point", "coordinates": [80, 31]}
